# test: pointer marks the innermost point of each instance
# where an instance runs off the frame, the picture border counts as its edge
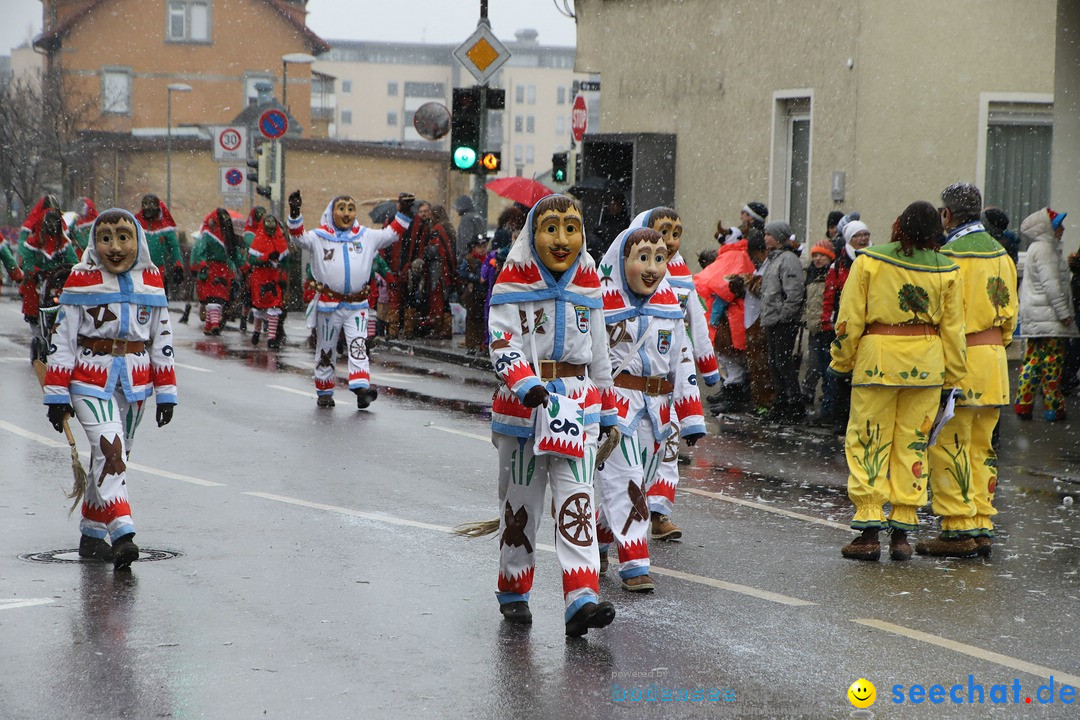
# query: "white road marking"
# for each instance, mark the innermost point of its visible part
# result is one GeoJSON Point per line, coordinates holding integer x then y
{"type": "Point", "coordinates": [972, 651]}
{"type": "Point", "coordinates": [767, 508]}
{"type": "Point", "coordinates": [305, 393]}
{"type": "Point", "coordinates": [49, 442]}
{"type": "Point", "coordinates": [390, 519]}
{"type": "Point", "coordinates": [15, 358]}
{"type": "Point", "coordinates": [28, 602]}
{"type": "Point", "coordinates": [484, 438]}
{"type": "Point", "coordinates": [191, 367]}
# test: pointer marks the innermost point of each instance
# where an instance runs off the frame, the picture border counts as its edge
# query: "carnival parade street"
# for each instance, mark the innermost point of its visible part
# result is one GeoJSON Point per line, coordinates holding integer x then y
{"type": "Point", "coordinates": [278, 579]}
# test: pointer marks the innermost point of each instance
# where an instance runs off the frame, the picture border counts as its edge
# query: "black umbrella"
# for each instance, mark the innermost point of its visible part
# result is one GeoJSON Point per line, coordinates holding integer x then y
{"type": "Point", "coordinates": [383, 212]}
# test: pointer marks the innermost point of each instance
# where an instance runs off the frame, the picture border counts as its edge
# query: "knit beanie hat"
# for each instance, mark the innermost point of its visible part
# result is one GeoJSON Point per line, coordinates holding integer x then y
{"type": "Point", "coordinates": [853, 227]}
{"type": "Point", "coordinates": [834, 217]}
{"type": "Point", "coordinates": [823, 248]}
{"type": "Point", "coordinates": [756, 210]}
{"type": "Point", "coordinates": [781, 231]}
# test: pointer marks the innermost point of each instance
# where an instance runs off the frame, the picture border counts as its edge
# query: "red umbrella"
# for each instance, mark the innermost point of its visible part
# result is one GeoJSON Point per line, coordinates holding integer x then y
{"type": "Point", "coordinates": [519, 189]}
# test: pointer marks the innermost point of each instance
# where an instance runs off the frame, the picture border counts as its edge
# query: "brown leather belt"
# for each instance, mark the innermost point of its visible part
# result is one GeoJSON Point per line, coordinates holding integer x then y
{"type": "Point", "coordinates": [652, 385]}
{"type": "Point", "coordinates": [905, 329]}
{"type": "Point", "coordinates": [551, 369]}
{"type": "Point", "coordinates": [108, 346]}
{"type": "Point", "coordinates": [989, 336]}
{"type": "Point", "coordinates": [355, 297]}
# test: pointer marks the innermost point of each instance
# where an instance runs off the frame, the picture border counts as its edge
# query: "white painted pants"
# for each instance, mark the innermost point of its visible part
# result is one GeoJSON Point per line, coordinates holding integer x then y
{"type": "Point", "coordinates": [353, 321]}
{"type": "Point", "coordinates": [622, 483]}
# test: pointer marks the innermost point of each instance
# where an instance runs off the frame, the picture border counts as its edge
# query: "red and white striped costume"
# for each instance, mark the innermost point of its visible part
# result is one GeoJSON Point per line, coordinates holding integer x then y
{"type": "Point", "coordinates": [108, 390]}
{"type": "Point", "coordinates": [563, 319]}
{"type": "Point", "coordinates": [647, 340]}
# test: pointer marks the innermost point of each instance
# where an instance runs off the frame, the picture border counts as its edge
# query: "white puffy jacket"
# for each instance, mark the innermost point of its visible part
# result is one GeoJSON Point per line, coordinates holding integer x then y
{"type": "Point", "coordinates": [1045, 295]}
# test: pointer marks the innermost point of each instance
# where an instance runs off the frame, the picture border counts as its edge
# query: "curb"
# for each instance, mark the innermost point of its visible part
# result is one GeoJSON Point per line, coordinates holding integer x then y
{"type": "Point", "coordinates": [478, 362]}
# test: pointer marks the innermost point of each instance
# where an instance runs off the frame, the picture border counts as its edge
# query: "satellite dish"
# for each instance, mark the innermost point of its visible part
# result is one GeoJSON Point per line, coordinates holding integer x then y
{"type": "Point", "coordinates": [432, 121]}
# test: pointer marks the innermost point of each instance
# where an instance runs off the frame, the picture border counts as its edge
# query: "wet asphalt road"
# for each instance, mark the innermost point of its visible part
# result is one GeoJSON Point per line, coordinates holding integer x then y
{"type": "Point", "coordinates": [316, 577]}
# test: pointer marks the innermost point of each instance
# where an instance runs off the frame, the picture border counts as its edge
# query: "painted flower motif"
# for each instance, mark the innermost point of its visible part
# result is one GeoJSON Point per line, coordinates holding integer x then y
{"type": "Point", "coordinates": [998, 292]}
{"type": "Point", "coordinates": [927, 423]}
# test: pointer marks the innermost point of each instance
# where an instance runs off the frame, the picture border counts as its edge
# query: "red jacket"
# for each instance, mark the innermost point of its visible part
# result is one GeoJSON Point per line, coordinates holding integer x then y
{"type": "Point", "coordinates": [834, 284]}
{"type": "Point", "coordinates": [731, 259]}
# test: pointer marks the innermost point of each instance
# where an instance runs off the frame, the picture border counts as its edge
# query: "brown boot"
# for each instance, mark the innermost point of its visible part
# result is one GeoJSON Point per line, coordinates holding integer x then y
{"type": "Point", "coordinates": [939, 547]}
{"type": "Point", "coordinates": [865, 547]}
{"type": "Point", "coordinates": [641, 583]}
{"type": "Point", "coordinates": [446, 332]}
{"type": "Point", "coordinates": [664, 529]}
{"type": "Point", "coordinates": [393, 319]}
{"type": "Point", "coordinates": [899, 547]}
{"type": "Point", "coordinates": [983, 546]}
{"type": "Point", "coordinates": [408, 329]}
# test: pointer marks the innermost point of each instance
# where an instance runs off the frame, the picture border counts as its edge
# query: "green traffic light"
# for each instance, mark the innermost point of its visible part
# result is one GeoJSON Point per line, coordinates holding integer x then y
{"type": "Point", "coordinates": [560, 176]}
{"type": "Point", "coordinates": [464, 157]}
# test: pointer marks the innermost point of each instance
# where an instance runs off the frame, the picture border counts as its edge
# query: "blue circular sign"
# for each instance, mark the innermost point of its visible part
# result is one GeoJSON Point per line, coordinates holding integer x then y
{"type": "Point", "coordinates": [273, 124]}
{"type": "Point", "coordinates": [233, 176]}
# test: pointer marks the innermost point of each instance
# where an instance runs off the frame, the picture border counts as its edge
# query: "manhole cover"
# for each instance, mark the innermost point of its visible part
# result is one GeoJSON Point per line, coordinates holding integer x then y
{"type": "Point", "coordinates": [72, 556]}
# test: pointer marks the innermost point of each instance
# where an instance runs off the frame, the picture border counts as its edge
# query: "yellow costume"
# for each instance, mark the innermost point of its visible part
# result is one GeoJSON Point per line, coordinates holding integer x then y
{"type": "Point", "coordinates": [963, 465]}
{"type": "Point", "coordinates": [900, 337]}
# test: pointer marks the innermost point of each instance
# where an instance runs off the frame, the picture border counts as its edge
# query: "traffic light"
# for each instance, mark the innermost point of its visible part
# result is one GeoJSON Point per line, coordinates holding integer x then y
{"type": "Point", "coordinates": [261, 176]}
{"type": "Point", "coordinates": [491, 162]}
{"type": "Point", "coordinates": [465, 129]}
{"type": "Point", "coordinates": [559, 163]}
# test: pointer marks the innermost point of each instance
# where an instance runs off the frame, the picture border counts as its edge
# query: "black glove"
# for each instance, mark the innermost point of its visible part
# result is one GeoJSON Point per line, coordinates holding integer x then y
{"type": "Point", "coordinates": [178, 275]}
{"type": "Point", "coordinates": [536, 397]}
{"type": "Point", "coordinates": [737, 285]}
{"type": "Point", "coordinates": [164, 413]}
{"type": "Point", "coordinates": [295, 203]}
{"type": "Point", "coordinates": [58, 413]}
{"type": "Point", "coordinates": [273, 257]}
{"type": "Point", "coordinates": [404, 204]}
{"type": "Point", "coordinates": [692, 439]}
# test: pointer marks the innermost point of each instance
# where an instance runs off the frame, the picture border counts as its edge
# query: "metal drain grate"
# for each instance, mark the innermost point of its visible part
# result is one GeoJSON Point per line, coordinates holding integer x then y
{"type": "Point", "coordinates": [72, 556]}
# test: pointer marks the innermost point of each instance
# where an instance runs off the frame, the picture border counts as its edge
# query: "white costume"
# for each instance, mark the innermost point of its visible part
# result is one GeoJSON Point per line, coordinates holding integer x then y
{"type": "Point", "coordinates": [662, 489]}
{"type": "Point", "coordinates": [341, 265]}
{"type": "Point", "coordinates": [652, 354]}
{"type": "Point", "coordinates": [556, 326]}
{"type": "Point", "coordinates": [113, 351]}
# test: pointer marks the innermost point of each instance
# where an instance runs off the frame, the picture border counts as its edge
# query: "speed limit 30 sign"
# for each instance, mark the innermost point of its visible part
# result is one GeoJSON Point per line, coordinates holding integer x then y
{"type": "Point", "coordinates": [230, 143]}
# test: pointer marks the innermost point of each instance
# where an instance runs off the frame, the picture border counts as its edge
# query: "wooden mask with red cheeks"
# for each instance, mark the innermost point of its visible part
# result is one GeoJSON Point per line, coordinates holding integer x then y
{"type": "Point", "coordinates": [557, 233]}
{"type": "Point", "coordinates": [667, 222]}
{"type": "Point", "coordinates": [117, 244]}
{"type": "Point", "coordinates": [645, 258]}
{"type": "Point", "coordinates": [344, 212]}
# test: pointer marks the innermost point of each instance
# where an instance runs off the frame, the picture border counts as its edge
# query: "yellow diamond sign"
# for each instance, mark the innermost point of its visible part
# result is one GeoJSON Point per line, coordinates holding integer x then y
{"type": "Point", "coordinates": [482, 54]}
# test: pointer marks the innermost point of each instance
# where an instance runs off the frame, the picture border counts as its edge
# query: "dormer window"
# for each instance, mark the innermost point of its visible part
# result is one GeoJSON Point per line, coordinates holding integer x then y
{"type": "Point", "coordinates": [188, 21]}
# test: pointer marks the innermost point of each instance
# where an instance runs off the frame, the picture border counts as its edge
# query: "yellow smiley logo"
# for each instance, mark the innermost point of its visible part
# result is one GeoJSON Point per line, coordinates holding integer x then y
{"type": "Point", "coordinates": [862, 693]}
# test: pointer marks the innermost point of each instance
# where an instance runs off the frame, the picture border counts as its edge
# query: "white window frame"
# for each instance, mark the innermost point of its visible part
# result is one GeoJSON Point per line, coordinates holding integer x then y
{"type": "Point", "coordinates": [107, 105]}
{"type": "Point", "coordinates": [780, 155]}
{"type": "Point", "coordinates": [187, 5]}
{"type": "Point", "coordinates": [346, 87]}
{"type": "Point", "coordinates": [346, 117]}
{"type": "Point", "coordinates": [250, 80]}
{"type": "Point", "coordinates": [986, 100]}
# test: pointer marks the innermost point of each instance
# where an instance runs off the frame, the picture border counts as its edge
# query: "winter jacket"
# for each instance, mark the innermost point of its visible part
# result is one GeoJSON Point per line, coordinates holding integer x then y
{"type": "Point", "coordinates": [782, 288]}
{"type": "Point", "coordinates": [1045, 294]}
{"type": "Point", "coordinates": [815, 300]}
{"type": "Point", "coordinates": [834, 284]}
{"type": "Point", "coordinates": [711, 283]}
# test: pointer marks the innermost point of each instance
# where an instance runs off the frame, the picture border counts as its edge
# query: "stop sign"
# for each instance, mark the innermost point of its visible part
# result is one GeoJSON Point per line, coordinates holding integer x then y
{"type": "Point", "coordinates": [579, 118]}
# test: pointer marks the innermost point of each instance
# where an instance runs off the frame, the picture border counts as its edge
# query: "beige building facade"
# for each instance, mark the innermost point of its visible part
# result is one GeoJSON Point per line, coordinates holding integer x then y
{"type": "Point", "coordinates": [811, 107]}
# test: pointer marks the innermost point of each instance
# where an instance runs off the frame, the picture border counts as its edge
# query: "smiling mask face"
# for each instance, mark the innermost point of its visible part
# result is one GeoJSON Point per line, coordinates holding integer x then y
{"type": "Point", "coordinates": [645, 264]}
{"type": "Point", "coordinates": [558, 238]}
{"type": "Point", "coordinates": [671, 229]}
{"type": "Point", "coordinates": [344, 213]}
{"type": "Point", "coordinates": [117, 245]}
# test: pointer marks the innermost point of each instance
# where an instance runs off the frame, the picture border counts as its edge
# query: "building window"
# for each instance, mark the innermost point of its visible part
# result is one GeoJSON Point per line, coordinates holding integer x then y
{"type": "Point", "coordinates": [791, 162]}
{"type": "Point", "coordinates": [517, 153]}
{"type": "Point", "coordinates": [560, 125]}
{"type": "Point", "coordinates": [519, 123]}
{"type": "Point", "coordinates": [346, 117]}
{"type": "Point", "coordinates": [391, 89]}
{"type": "Point", "coordinates": [391, 118]}
{"type": "Point", "coordinates": [425, 89]}
{"type": "Point", "coordinates": [116, 92]}
{"type": "Point", "coordinates": [188, 21]}
{"type": "Point", "coordinates": [1018, 145]}
{"type": "Point", "coordinates": [251, 87]}
{"type": "Point", "coordinates": [519, 94]}
{"type": "Point", "coordinates": [530, 154]}
{"type": "Point", "coordinates": [532, 95]}
{"type": "Point", "coordinates": [530, 124]}
{"type": "Point", "coordinates": [346, 86]}
{"type": "Point", "coordinates": [560, 96]}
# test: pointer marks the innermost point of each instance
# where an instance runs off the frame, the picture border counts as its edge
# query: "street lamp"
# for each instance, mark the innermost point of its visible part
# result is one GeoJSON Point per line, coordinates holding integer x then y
{"type": "Point", "coordinates": [170, 89]}
{"type": "Point", "coordinates": [294, 272]}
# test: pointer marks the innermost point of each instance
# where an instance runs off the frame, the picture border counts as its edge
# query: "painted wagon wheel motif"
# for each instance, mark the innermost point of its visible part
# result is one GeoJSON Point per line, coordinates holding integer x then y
{"type": "Point", "coordinates": [575, 520]}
